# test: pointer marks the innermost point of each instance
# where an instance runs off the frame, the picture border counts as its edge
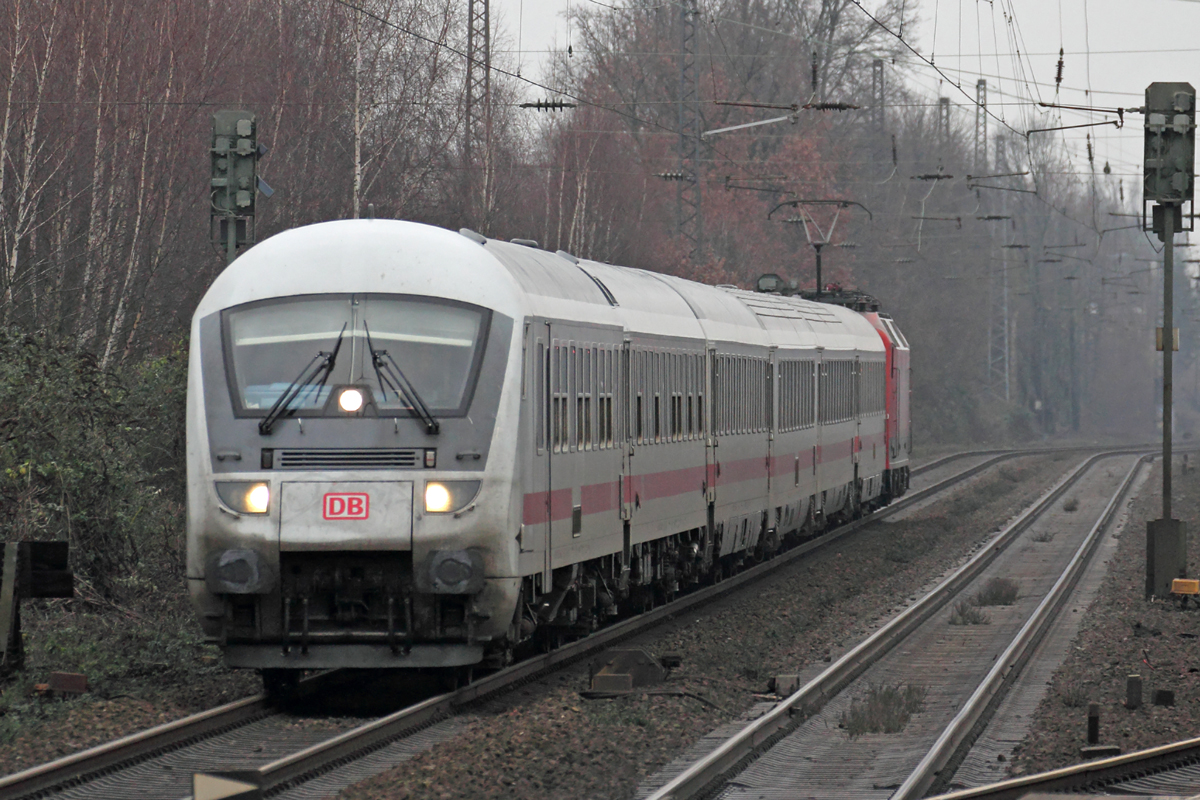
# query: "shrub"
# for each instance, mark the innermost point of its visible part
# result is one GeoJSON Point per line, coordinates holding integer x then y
{"type": "Point", "coordinates": [884, 709]}
{"type": "Point", "coordinates": [997, 592]}
{"type": "Point", "coordinates": [94, 457]}
{"type": "Point", "coordinates": [967, 613]}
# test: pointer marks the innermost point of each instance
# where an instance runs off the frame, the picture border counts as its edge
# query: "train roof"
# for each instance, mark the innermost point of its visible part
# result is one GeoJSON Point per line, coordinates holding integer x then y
{"type": "Point", "coordinates": [390, 256]}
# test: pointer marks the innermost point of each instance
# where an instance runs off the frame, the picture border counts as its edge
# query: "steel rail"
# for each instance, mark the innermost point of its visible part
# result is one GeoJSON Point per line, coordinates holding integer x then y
{"type": "Point", "coordinates": [1114, 450]}
{"type": "Point", "coordinates": [93, 762]}
{"type": "Point", "coordinates": [115, 754]}
{"type": "Point", "coordinates": [736, 752]}
{"type": "Point", "coordinates": [1086, 775]}
{"type": "Point", "coordinates": [105, 758]}
{"type": "Point", "coordinates": [978, 709]}
{"type": "Point", "coordinates": [941, 461]}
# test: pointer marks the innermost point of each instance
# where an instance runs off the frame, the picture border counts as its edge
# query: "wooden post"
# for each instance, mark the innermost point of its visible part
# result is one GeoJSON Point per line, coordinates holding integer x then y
{"type": "Point", "coordinates": [13, 655]}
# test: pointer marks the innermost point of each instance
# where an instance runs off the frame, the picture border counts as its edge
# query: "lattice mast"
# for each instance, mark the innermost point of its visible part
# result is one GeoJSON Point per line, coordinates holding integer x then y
{"type": "Point", "coordinates": [477, 116]}
{"type": "Point", "coordinates": [998, 371]}
{"type": "Point", "coordinates": [981, 134]}
{"type": "Point", "coordinates": [687, 198]}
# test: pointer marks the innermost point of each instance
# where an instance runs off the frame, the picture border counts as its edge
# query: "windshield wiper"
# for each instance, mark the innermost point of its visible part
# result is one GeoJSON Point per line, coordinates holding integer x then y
{"type": "Point", "coordinates": [392, 377]}
{"type": "Point", "coordinates": [322, 364]}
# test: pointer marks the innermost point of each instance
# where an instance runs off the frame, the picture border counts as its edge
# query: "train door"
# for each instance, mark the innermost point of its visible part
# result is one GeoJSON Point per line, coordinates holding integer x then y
{"type": "Point", "coordinates": [535, 527]}
{"type": "Point", "coordinates": [712, 461]}
{"type": "Point", "coordinates": [585, 459]}
{"type": "Point", "coordinates": [627, 436]}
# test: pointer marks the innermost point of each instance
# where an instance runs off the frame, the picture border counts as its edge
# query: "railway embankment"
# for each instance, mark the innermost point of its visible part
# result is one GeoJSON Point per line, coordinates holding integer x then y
{"type": "Point", "coordinates": [1123, 634]}
{"type": "Point", "coordinates": [93, 455]}
{"type": "Point", "coordinates": [546, 739]}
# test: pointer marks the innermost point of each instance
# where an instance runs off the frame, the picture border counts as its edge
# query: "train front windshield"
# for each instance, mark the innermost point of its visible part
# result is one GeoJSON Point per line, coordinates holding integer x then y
{"type": "Point", "coordinates": [436, 344]}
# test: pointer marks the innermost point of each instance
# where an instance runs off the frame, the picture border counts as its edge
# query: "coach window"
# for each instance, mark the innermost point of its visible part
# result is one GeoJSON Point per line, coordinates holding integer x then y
{"type": "Point", "coordinates": [601, 396]}
{"type": "Point", "coordinates": [555, 423]}
{"type": "Point", "coordinates": [716, 387]}
{"type": "Point", "coordinates": [718, 380]}
{"type": "Point", "coordinates": [571, 436]}
{"type": "Point", "coordinates": [745, 395]}
{"type": "Point", "coordinates": [750, 392]}
{"type": "Point", "coordinates": [589, 406]}
{"type": "Point", "coordinates": [610, 390]}
{"type": "Point", "coordinates": [614, 391]}
{"type": "Point", "coordinates": [752, 413]}
{"type": "Point", "coordinates": [732, 390]}
{"type": "Point", "coordinates": [579, 396]}
{"type": "Point", "coordinates": [691, 396]}
{"type": "Point", "coordinates": [729, 387]}
{"type": "Point", "coordinates": [726, 384]}
{"type": "Point", "coordinates": [742, 396]}
{"type": "Point", "coordinates": [637, 380]}
{"type": "Point", "coordinates": [603, 384]}
{"type": "Point", "coordinates": [823, 393]}
{"type": "Point", "coordinates": [739, 395]}
{"type": "Point", "coordinates": [659, 382]}
{"type": "Point", "coordinates": [588, 393]}
{"type": "Point", "coordinates": [657, 418]}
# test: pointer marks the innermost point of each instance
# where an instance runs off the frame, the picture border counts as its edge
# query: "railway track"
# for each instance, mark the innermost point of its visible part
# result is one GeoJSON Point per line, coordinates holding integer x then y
{"type": "Point", "coordinates": [1172, 769]}
{"type": "Point", "coordinates": [251, 736]}
{"type": "Point", "coordinates": [795, 748]}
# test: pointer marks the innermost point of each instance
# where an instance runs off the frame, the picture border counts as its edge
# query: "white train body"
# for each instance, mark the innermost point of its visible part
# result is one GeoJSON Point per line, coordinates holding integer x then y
{"type": "Point", "coordinates": [604, 436]}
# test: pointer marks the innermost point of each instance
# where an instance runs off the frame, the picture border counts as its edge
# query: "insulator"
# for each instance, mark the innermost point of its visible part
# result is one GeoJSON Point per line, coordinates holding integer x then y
{"type": "Point", "coordinates": [1058, 77]}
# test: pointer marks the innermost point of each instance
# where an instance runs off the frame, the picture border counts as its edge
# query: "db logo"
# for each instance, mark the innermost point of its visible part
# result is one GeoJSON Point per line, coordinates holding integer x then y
{"type": "Point", "coordinates": [346, 506]}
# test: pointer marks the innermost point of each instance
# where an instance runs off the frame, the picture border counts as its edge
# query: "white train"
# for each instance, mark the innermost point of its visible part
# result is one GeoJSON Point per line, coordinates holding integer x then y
{"type": "Point", "coordinates": [414, 448]}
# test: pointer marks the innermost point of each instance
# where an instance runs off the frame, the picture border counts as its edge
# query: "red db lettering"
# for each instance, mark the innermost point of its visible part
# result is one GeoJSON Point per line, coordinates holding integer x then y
{"type": "Point", "coordinates": [344, 505]}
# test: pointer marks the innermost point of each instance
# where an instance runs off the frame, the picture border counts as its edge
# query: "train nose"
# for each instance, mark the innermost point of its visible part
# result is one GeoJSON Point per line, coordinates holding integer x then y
{"type": "Point", "coordinates": [354, 515]}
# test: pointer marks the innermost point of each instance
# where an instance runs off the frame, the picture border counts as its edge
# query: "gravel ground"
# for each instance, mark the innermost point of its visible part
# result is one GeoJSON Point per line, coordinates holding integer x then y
{"type": "Point", "coordinates": [547, 740]}
{"type": "Point", "coordinates": [1122, 634]}
{"type": "Point", "coordinates": [143, 669]}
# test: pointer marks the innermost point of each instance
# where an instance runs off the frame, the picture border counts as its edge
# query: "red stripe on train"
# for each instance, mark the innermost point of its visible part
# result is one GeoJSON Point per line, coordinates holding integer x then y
{"type": "Point", "coordinates": [542, 507]}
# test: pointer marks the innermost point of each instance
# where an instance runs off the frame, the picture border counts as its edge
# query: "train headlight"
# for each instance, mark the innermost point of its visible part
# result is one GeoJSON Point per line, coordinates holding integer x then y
{"type": "Point", "coordinates": [442, 497]}
{"type": "Point", "coordinates": [350, 400]}
{"type": "Point", "coordinates": [245, 497]}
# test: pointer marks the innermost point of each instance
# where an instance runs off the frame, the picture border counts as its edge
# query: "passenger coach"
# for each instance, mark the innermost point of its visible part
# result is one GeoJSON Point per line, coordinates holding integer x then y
{"type": "Point", "coordinates": [414, 448]}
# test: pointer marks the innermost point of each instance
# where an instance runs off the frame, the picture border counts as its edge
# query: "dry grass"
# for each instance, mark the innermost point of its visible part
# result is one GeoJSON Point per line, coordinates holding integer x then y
{"type": "Point", "coordinates": [885, 709]}
{"type": "Point", "coordinates": [967, 613]}
{"type": "Point", "coordinates": [997, 592]}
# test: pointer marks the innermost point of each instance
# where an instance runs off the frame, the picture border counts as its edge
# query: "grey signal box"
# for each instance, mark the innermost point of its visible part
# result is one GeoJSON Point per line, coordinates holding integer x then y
{"type": "Point", "coordinates": [234, 163]}
{"type": "Point", "coordinates": [1170, 161]}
